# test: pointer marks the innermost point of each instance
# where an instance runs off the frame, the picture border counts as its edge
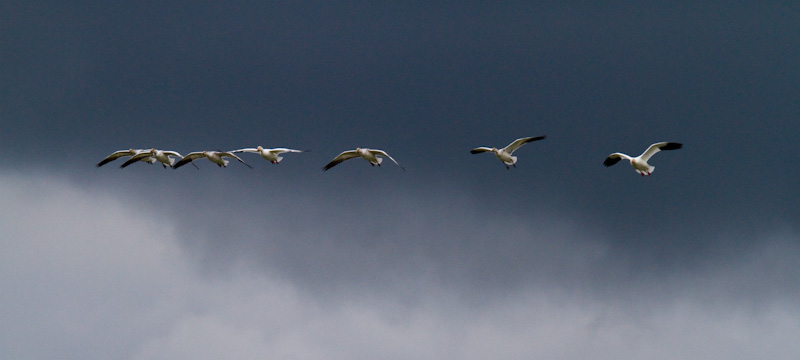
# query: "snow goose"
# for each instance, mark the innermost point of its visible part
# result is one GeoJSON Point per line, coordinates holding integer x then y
{"type": "Point", "coordinates": [165, 157]}
{"type": "Point", "coordinates": [505, 154]}
{"type": "Point", "coordinates": [370, 155]}
{"type": "Point", "coordinates": [272, 155]}
{"type": "Point", "coordinates": [120, 153]}
{"type": "Point", "coordinates": [214, 156]}
{"type": "Point", "coordinates": [639, 163]}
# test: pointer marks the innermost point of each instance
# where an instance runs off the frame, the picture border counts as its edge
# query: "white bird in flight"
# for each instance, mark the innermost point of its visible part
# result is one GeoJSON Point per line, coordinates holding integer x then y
{"type": "Point", "coordinates": [639, 163]}
{"type": "Point", "coordinates": [165, 157]}
{"type": "Point", "coordinates": [272, 155]}
{"type": "Point", "coordinates": [505, 154]}
{"type": "Point", "coordinates": [214, 156]}
{"type": "Point", "coordinates": [120, 153]}
{"type": "Point", "coordinates": [370, 155]}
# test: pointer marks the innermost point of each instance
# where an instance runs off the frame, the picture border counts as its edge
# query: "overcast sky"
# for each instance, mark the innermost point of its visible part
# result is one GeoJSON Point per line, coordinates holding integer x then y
{"type": "Point", "coordinates": [454, 258]}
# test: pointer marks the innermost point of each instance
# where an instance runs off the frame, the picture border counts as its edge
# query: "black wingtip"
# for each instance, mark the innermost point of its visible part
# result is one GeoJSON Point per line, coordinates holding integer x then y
{"type": "Point", "coordinates": [611, 161]}
{"type": "Point", "coordinates": [475, 151]}
{"type": "Point", "coordinates": [534, 138]}
{"type": "Point", "coordinates": [672, 146]}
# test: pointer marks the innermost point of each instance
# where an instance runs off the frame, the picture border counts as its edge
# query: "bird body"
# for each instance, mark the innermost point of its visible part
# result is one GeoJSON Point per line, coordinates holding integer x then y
{"type": "Point", "coordinates": [271, 155]}
{"type": "Point", "coordinates": [639, 163]}
{"type": "Point", "coordinates": [505, 154]}
{"type": "Point", "coordinates": [165, 156]}
{"type": "Point", "coordinates": [370, 155]}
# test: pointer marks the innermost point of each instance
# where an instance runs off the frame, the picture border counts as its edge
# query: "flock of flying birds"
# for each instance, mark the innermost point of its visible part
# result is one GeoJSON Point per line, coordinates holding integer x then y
{"type": "Point", "coordinates": [175, 160]}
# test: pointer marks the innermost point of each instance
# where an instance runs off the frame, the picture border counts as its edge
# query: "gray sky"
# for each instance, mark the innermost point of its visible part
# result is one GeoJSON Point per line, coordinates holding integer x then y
{"type": "Point", "coordinates": [454, 258]}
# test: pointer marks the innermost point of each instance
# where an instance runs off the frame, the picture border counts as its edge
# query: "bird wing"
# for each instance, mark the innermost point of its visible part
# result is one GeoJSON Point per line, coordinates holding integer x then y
{"type": "Point", "coordinates": [516, 144]}
{"type": "Point", "coordinates": [172, 153]}
{"type": "Point", "coordinates": [653, 149]}
{"type": "Point", "coordinates": [250, 150]}
{"type": "Point", "coordinates": [284, 150]}
{"type": "Point", "coordinates": [142, 156]}
{"type": "Point", "coordinates": [383, 153]}
{"type": "Point", "coordinates": [188, 158]}
{"type": "Point", "coordinates": [481, 149]}
{"type": "Point", "coordinates": [615, 158]}
{"type": "Point", "coordinates": [114, 156]}
{"type": "Point", "coordinates": [175, 153]}
{"type": "Point", "coordinates": [341, 157]}
{"type": "Point", "coordinates": [232, 155]}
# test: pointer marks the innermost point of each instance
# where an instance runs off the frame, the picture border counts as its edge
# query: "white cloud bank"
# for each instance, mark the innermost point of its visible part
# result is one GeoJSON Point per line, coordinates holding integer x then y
{"type": "Point", "coordinates": [93, 275]}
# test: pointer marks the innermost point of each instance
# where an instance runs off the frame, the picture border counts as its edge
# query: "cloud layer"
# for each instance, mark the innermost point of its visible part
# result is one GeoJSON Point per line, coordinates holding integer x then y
{"type": "Point", "coordinates": [94, 274]}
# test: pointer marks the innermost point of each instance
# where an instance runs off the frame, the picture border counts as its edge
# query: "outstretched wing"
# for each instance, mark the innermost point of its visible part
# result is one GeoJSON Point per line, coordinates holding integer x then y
{"type": "Point", "coordinates": [341, 157]}
{"type": "Point", "coordinates": [479, 150]}
{"type": "Point", "coordinates": [114, 156]}
{"type": "Point", "coordinates": [383, 153]}
{"type": "Point", "coordinates": [188, 158]}
{"type": "Point", "coordinates": [142, 156]}
{"type": "Point", "coordinates": [653, 149]}
{"type": "Point", "coordinates": [250, 150]}
{"type": "Point", "coordinates": [285, 150]}
{"type": "Point", "coordinates": [232, 155]}
{"type": "Point", "coordinates": [615, 158]}
{"type": "Point", "coordinates": [172, 153]}
{"type": "Point", "coordinates": [516, 144]}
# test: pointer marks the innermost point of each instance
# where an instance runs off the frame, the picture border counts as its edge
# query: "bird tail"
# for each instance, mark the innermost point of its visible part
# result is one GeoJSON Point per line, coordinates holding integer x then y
{"type": "Point", "coordinates": [278, 159]}
{"type": "Point", "coordinates": [380, 160]}
{"type": "Point", "coordinates": [225, 162]}
{"type": "Point", "coordinates": [513, 160]}
{"type": "Point", "coordinates": [649, 171]}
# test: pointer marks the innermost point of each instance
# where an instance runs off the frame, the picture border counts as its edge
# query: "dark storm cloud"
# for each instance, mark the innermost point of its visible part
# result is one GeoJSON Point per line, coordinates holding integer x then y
{"type": "Point", "coordinates": [318, 65]}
